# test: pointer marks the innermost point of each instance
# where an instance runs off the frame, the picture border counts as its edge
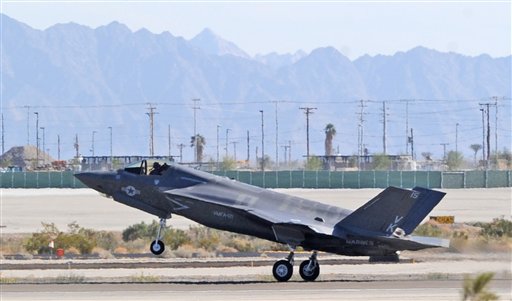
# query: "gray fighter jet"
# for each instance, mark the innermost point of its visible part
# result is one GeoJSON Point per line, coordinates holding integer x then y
{"type": "Point", "coordinates": [380, 228]}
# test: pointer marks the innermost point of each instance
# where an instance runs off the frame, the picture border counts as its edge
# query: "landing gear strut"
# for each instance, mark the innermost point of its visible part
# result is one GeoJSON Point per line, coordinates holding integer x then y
{"type": "Point", "coordinates": [310, 269]}
{"type": "Point", "coordinates": [157, 247]}
{"type": "Point", "coordinates": [283, 269]}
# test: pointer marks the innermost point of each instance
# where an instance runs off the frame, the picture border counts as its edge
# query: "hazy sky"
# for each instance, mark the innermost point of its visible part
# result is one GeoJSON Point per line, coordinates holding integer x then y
{"type": "Point", "coordinates": [353, 27]}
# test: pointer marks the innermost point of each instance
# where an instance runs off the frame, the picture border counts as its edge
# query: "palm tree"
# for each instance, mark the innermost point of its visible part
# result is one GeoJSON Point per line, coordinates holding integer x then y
{"type": "Point", "coordinates": [330, 132]}
{"type": "Point", "coordinates": [476, 289]}
{"type": "Point", "coordinates": [475, 148]}
{"type": "Point", "coordinates": [199, 142]}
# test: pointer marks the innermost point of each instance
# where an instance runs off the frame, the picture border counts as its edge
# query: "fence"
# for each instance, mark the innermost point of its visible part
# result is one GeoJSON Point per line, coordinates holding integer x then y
{"type": "Point", "coordinates": [301, 179]}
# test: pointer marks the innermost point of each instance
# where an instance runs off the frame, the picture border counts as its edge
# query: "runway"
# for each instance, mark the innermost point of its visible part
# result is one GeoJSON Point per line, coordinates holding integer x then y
{"type": "Point", "coordinates": [23, 210]}
{"type": "Point", "coordinates": [337, 290]}
{"type": "Point", "coordinates": [435, 277]}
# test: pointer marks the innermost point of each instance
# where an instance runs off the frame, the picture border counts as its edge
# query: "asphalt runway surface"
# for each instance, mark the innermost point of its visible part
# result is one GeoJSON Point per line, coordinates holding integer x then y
{"type": "Point", "coordinates": [23, 210]}
{"type": "Point", "coordinates": [336, 290]}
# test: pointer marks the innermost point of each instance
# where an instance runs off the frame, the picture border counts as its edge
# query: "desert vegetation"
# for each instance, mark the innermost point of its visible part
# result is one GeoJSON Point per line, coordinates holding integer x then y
{"type": "Point", "coordinates": [200, 241]}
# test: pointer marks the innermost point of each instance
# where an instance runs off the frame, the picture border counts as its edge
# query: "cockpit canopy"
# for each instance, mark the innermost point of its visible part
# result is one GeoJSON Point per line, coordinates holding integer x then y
{"type": "Point", "coordinates": [152, 167]}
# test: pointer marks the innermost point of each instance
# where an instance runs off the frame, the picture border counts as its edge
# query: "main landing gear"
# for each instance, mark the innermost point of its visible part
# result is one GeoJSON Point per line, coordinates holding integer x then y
{"type": "Point", "coordinates": [157, 247]}
{"type": "Point", "coordinates": [309, 269]}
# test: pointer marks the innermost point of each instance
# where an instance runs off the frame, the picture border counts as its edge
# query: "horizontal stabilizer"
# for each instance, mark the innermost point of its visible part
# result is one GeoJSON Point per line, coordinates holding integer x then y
{"type": "Point", "coordinates": [414, 243]}
{"type": "Point", "coordinates": [431, 241]}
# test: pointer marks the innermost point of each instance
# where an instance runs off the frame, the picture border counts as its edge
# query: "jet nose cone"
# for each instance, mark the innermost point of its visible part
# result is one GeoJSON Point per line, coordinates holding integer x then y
{"type": "Point", "coordinates": [99, 181]}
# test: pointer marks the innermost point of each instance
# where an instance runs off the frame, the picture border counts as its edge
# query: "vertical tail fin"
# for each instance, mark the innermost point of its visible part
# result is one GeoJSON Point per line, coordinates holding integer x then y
{"type": "Point", "coordinates": [393, 208]}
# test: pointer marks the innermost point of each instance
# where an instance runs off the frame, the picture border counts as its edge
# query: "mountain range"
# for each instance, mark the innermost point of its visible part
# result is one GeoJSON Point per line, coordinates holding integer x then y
{"type": "Point", "coordinates": [82, 81]}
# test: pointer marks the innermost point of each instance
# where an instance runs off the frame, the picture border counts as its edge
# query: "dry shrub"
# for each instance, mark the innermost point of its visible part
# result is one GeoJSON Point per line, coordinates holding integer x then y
{"type": "Point", "coordinates": [12, 243]}
{"type": "Point", "coordinates": [72, 251]}
{"type": "Point", "coordinates": [185, 251]}
{"type": "Point", "coordinates": [121, 250]}
{"type": "Point", "coordinates": [189, 251]}
{"type": "Point", "coordinates": [102, 253]}
{"type": "Point", "coordinates": [137, 246]}
{"type": "Point", "coordinates": [225, 249]}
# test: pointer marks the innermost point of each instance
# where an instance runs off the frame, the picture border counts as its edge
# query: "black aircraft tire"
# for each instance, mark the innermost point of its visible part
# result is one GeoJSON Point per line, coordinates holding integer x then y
{"type": "Point", "coordinates": [157, 248]}
{"type": "Point", "coordinates": [282, 270]}
{"type": "Point", "coordinates": [308, 275]}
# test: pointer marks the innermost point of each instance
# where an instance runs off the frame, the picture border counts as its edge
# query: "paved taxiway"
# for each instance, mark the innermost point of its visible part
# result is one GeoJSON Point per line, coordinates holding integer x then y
{"type": "Point", "coordinates": [23, 210]}
{"type": "Point", "coordinates": [375, 290]}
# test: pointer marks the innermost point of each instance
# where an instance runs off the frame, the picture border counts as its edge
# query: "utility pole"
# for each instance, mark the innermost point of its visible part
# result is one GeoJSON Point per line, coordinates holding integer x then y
{"type": "Point", "coordinates": [37, 138]}
{"type": "Point", "coordinates": [180, 146]}
{"type": "Point", "coordinates": [92, 144]}
{"type": "Point", "coordinates": [151, 115]}
{"type": "Point", "coordinates": [407, 127]}
{"type": "Point", "coordinates": [234, 148]}
{"type": "Point", "coordinates": [111, 153]}
{"type": "Point", "coordinates": [286, 154]}
{"type": "Point", "coordinates": [486, 109]}
{"type": "Point", "coordinates": [58, 147]}
{"type": "Point", "coordinates": [488, 137]}
{"type": "Point", "coordinates": [3, 135]}
{"type": "Point", "coordinates": [384, 132]}
{"type": "Point", "coordinates": [227, 141]}
{"type": "Point", "coordinates": [361, 133]}
{"type": "Point", "coordinates": [28, 124]}
{"type": "Point", "coordinates": [218, 127]}
{"type": "Point", "coordinates": [277, 147]}
{"type": "Point", "coordinates": [412, 144]}
{"type": "Point", "coordinates": [457, 137]}
{"type": "Point", "coordinates": [289, 152]}
{"type": "Point", "coordinates": [307, 111]}
{"type": "Point", "coordinates": [44, 157]}
{"type": "Point", "coordinates": [262, 143]}
{"type": "Point", "coordinates": [195, 107]}
{"type": "Point", "coordinates": [495, 98]}
{"type": "Point", "coordinates": [169, 140]}
{"type": "Point", "coordinates": [77, 147]}
{"type": "Point", "coordinates": [444, 150]}
{"type": "Point", "coordinates": [248, 148]}
{"type": "Point", "coordinates": [483, 134]}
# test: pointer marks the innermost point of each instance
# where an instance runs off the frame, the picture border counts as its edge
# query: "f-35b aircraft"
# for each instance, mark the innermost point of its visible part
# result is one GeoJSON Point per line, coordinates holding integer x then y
{"type": "Point", "coordinates": [380, 228]}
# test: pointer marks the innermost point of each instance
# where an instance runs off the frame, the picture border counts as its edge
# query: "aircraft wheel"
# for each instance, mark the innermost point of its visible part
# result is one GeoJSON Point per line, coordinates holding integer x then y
{"type": "Point", "coordinates": [282, 270]}
{"type": "Point", "coordinates": [157, 247]}
{"type": "Point", "coordinates": [307, 273]}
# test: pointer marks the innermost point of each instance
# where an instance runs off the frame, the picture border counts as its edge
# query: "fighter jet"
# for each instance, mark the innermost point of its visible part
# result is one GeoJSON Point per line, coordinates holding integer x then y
{"type": "Point", "coordinates": [379, 229]}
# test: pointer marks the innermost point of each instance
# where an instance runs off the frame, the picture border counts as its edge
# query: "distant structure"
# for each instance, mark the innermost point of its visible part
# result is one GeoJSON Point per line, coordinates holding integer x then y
{"type": "Point", "coordinates": [365, 162]}
{"type": "Point", "coordinates": [26, 158]}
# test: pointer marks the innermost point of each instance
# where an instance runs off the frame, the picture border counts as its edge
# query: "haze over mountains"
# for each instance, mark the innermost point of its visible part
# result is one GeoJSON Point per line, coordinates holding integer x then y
{"type": "Point", "coordinates": [82, 80]}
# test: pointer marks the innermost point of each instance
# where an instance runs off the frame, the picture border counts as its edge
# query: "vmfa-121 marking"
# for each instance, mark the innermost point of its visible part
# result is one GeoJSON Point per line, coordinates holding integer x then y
{"type": "Point", "coordinates": [381, 227]}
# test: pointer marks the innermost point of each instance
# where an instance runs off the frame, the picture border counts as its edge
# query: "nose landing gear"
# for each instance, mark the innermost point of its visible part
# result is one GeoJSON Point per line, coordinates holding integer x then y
{"type": "Point", "coordinates": [157, 247]}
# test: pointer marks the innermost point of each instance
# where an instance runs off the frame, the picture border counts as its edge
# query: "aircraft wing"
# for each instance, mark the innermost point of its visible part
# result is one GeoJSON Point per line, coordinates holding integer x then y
{"type": "Point", "coordinates": [286, 229]}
